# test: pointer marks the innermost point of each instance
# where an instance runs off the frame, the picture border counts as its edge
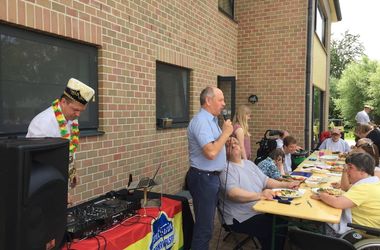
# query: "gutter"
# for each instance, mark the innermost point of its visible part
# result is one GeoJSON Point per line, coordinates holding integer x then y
{"type": "Point", "coordinates": [338, 12]}
{"type": "Point", "coordinates": [307, 134]}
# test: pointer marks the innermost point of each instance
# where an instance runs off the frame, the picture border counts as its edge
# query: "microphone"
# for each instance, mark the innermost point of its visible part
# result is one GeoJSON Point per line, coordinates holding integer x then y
{"type": "Point", "coordinates": [225, 114]}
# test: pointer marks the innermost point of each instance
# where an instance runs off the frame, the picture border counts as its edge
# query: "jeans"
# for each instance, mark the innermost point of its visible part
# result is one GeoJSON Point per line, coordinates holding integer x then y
{"type": "Point", "coordinates": [204, 189]}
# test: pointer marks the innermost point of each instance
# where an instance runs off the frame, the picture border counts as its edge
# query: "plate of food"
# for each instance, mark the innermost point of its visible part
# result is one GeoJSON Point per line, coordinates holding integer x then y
{"type": "Point", "coordinates": [329, 190]}
{"type": "Point", "coordinates": [285, 193]}
{"type": "Point", "coordinates": [336, 168]}
{"type": "Point", "coordinates": [329, 157]}
{"type": "Point", "coordinates": [294, 178]}
{"type": "Point", "coordinates": [319, 179]}
{"type": "Point", "coordinates": [319, 171]}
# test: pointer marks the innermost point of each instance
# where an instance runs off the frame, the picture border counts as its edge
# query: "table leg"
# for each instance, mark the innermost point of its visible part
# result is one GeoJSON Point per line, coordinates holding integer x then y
{"type": "Point", "coordinates": [273, 232]}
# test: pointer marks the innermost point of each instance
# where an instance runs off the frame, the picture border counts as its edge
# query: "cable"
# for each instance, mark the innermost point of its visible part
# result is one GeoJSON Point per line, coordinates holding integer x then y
{"type": "Point", "coordinates": [105, 241]}
{"type": "Point", "coordinates": [225, 192]}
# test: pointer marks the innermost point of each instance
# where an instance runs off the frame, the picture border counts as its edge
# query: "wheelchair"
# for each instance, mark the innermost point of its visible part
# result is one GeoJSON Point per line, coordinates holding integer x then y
{"type": "Point", "coordinates": [359, 238]}
{"type": "Point", "coordinates": [362, 237]}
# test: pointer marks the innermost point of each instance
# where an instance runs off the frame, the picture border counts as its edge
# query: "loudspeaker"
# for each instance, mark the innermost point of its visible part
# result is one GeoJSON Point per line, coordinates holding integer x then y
{"type": "Point", "coordinates": [33, 188]}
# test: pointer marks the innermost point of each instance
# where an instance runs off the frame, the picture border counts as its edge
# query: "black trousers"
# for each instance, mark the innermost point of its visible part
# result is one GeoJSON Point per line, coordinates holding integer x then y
{"type": "Point", "coordinates": [260, 226]}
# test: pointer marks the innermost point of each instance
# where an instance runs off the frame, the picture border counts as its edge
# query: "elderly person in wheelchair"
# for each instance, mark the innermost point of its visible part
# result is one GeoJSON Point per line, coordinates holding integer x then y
{"type": "Point", "coordinates": [363, 197]}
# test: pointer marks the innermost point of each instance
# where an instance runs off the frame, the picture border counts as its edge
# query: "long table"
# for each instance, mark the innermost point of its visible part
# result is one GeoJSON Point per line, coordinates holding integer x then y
{"type": "Point", "coordinates": [303, 207]}
{"type": "Point", "coordinates": [152, 228]}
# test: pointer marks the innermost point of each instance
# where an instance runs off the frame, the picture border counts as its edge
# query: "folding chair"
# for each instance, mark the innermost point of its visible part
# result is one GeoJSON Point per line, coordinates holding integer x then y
{"type": "Point", "coordinates": [229, 232]}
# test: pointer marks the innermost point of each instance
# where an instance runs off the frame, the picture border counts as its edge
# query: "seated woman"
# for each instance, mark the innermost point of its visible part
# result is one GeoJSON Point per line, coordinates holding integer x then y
{"type": "Point", "coordinates": [364, 145]}
{"type": "Point", "coordinates": [363, 196]}
{"type": "Point", "coordinates": [242, 185]}
{"type": "Point", "coordinates": [273, 166]}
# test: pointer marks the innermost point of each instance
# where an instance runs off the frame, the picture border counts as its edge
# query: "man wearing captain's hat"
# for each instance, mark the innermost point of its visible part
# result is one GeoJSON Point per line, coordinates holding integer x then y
{"type": "Point", "coordinates": [362, 117]}
{"type": "Point", "coordinates": [61, 119]}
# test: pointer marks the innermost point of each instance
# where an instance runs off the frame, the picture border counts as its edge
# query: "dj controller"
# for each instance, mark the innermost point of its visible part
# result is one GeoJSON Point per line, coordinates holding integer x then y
{"type": "Point", "coordinates": [91, 218]}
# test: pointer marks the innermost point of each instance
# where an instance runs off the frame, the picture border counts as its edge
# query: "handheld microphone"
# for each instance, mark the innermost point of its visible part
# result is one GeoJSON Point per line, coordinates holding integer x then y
{"type": "Point", "coordinates": [225, 114]}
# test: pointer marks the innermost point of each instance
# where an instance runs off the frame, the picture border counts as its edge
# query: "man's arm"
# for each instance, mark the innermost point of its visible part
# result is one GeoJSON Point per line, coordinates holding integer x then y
{"type": "Point", "coordinates": [212, 149]}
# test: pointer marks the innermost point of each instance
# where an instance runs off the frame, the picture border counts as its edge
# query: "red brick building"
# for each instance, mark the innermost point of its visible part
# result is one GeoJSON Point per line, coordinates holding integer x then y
{"type": "Point", "coordinates": [149, 60]}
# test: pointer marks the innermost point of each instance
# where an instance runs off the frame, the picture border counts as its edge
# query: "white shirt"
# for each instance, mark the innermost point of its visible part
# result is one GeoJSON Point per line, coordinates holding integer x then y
{"type": "Point", "coordinates": [288, 163]}
{"type": "Point", "coordinates": [339, 146]}
{"type": "Point", "coordinates": [279, 142]}
{"type": "Point", "coordinates": [362, 117]}
{"type": "Point", "coordinates": [46, 125]}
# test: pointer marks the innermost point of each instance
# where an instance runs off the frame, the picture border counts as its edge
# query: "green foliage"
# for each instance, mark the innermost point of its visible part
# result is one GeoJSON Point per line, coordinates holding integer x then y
{"type": "Point", "coordinates": [344, 51]}
{"type": "Point", "coordinates": [359, 85]}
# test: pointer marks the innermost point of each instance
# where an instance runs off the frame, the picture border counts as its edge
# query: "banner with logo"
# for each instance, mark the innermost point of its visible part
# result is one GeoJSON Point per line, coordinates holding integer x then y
{"type": "Point", "coordinates": [165, 231]}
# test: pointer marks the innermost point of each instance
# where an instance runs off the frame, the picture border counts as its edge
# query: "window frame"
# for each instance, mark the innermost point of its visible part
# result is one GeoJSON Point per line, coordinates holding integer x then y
{"type": "Point", "coordinates": [92, 125]}
{"type": "Point", "coordinates": [231, 5]}
{"type": "Point", "coordinates": [178, 122]}
{"type": "Point", "coordinates": [319, 12]}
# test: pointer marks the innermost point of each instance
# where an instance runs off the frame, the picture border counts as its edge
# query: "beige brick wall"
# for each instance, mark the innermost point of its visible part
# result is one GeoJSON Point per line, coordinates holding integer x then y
{"type": "Point", "coordinates": [272, 64]}
{"type": "Point", "coordinates": [131, 36]}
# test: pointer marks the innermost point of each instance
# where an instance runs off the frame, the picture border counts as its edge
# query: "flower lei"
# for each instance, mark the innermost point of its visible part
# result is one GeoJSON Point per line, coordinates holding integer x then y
{"type": "Point", "coordinates": [74, 136]}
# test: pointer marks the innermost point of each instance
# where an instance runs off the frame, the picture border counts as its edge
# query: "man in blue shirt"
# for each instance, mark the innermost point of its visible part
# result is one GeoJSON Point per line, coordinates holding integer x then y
{"type": "Point", "coordinates": [207, 156]}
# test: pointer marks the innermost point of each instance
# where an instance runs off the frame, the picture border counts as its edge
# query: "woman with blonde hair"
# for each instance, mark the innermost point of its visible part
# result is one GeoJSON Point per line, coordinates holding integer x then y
{"type": "Point", "coordinates": [241, 132]}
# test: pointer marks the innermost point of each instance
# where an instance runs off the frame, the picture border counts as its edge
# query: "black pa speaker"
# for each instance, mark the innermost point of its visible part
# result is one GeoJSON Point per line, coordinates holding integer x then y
{"type": "Point", "coordinates": [33, 188]}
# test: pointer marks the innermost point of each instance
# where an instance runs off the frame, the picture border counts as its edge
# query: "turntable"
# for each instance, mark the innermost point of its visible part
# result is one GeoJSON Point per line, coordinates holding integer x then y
{"type": "Point", "coordinates": [95, 216]}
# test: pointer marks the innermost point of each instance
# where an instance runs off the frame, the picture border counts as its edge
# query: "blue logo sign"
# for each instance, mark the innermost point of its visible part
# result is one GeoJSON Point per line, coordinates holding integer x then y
{"type": "Point", "coordinates": [162, 233]}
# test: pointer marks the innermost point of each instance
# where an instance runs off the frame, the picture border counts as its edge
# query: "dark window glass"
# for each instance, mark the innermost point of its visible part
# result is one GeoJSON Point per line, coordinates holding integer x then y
{"type": "Point", "coordinates": [34, 71]}
{"type": "Point", "coordinates": [172, 93]}
{"type": "Point", "coordinates": [227, 7]}
{"type": "Point", "coordinates": [320, 24]}
{"type": "Point", "coordinates": [318, 115]}
{"type": "Point", "coordinates": [228, 86]}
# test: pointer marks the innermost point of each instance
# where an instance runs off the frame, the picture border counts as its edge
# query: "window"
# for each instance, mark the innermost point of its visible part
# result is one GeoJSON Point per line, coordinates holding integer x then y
{"type": "Point", "coordinates": [172, 94]}
{"type": "Point", "coordinates": [227, 7]}
{"type": "Point", "coordinates": [34, 70]}
{"type": "Point", "coordinates": [228, 85]}
{"type": "Point", "coordinates": [320, 24]}
{"type": "Point", "coordinates": [318, 115]}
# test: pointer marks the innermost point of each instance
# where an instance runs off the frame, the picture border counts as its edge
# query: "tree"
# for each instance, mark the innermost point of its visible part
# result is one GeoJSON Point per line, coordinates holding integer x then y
{"type": "Point", "coordinates": [343, 51]}
{"type": "Point", "coordinates": [358, 85]}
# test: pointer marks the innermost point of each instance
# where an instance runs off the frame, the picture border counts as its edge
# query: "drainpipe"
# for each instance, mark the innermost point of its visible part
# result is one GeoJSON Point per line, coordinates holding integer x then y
{"type": "Point", "coordinates": [308, 72]}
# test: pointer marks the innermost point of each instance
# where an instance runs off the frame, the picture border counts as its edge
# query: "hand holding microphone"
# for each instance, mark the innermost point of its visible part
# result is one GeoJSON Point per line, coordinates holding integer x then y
{"type": "Point", "coordinates": [227, 125]}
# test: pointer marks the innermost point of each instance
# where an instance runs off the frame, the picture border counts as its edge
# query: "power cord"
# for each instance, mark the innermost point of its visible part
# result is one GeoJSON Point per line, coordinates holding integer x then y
{"type": "Point", "coordinates": [224, 195]}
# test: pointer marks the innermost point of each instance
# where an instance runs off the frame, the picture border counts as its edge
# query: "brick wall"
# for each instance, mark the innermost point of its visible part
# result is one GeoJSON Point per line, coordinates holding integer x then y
{"type": "Point", "coordinates": [272, 64]}
{"type": "Point", "coordinates": [131, 36]}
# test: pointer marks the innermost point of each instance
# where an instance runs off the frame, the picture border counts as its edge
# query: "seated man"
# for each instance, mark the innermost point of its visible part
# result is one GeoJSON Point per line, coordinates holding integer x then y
{"type": "Point", "coordinates": [273, 166]}
{"type": "Point", "coordinates": [246, 184]}
{"type": "Point", "coordinates": [335, 143]}
{"type": "Point", "coordinates": [289, 148]}
{"type": "Point", "coordinates": [363, 196]}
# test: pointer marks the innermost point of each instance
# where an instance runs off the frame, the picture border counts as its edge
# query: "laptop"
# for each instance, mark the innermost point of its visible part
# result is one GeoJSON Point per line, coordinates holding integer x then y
{"type": "Point", "coordinates": [145, 182]}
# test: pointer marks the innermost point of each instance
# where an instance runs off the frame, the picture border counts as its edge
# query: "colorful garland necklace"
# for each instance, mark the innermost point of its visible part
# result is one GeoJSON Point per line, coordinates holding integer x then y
{"type": "Point", "coordinates": [74, 136]}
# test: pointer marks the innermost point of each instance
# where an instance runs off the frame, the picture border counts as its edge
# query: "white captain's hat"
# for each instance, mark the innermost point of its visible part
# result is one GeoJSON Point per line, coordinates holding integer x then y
{"type": "Point", "coordinates": [78, 91]}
